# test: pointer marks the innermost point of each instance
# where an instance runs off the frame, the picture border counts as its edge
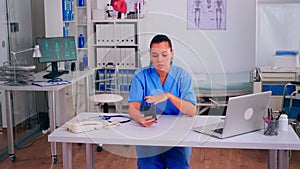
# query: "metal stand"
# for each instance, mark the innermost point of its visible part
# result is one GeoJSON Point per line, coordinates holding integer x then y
{"type": "Point", "coordinates": [293, 96]}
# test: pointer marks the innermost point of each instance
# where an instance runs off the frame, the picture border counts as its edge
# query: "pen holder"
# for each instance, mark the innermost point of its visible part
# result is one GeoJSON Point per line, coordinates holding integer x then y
{"type": "Point", "coordinates": [271, 128]}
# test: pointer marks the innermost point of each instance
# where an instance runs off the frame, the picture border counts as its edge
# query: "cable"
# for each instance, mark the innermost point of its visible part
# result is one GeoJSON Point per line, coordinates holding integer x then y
{"type": "Point", "coordinates": [51, 164]}
{"type": "Point", "coordinates": [32, 142]}
{"type": "Point", "coordinates": [108, 118]}
{"type": "Point", "coordinates": [47, 66]}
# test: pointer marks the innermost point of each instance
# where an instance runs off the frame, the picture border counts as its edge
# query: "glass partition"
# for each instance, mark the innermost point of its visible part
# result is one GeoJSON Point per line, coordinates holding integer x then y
{"type": "Point", "coordinates": [18, 32]}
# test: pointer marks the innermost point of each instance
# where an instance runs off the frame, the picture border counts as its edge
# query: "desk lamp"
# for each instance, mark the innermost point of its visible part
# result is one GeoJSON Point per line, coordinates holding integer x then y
{"type": "Point", "coordinates": [36, 54]}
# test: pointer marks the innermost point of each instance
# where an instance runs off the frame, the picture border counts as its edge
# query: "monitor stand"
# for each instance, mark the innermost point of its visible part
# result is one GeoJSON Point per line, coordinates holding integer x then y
{"type": "Point", "coordinates": [55, 72]}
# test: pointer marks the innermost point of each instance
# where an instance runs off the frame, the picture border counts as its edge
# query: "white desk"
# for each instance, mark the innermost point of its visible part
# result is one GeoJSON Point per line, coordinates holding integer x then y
{"type": "Point", "coordinates": [72, 77]}
{"type": "Point", "coordinates": [172, 131]}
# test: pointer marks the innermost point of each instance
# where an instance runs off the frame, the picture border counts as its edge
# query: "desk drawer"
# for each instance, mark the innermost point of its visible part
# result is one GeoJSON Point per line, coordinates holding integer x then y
{"type": "Point", "coordinates": [283, 77]}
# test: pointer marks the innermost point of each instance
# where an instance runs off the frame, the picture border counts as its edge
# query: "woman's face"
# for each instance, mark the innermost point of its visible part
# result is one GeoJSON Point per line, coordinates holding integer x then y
{"type": "Point", "coordinates": [161, 56]}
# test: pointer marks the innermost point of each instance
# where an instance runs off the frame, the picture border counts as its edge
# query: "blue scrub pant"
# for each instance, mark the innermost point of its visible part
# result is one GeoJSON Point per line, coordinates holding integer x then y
{"type": "Point", "coordinates": [150, 157]}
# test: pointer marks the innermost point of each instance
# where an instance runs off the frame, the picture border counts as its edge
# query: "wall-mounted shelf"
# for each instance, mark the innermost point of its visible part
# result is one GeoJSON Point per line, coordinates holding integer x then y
{"type": "Point", "coordinates": [116, 42]}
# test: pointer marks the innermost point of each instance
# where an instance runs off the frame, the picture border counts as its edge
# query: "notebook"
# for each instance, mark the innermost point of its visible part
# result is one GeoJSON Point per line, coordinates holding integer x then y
{"type": "Point", "coordinates": [243, 115]}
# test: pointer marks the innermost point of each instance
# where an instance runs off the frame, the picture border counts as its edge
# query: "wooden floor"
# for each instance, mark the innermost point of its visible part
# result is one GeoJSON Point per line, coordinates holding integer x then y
{"type": "Point", "coordinates": [36, 155]}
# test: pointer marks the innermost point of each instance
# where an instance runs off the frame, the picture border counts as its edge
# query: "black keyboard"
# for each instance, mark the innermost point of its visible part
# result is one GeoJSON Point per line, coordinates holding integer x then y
{"type": "Point", "coordinates": [53, 75]}
{"type": "Point", "coordinates": [219, 130]}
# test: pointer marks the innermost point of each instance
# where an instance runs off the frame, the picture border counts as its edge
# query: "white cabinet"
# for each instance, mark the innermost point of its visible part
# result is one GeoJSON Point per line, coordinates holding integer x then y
{"type": "Point", "coordinates": [53, 18]}
{"type": "Point", "coordinates": [116, 41]}
{"type": "Point", "coordinates": [113, 40]}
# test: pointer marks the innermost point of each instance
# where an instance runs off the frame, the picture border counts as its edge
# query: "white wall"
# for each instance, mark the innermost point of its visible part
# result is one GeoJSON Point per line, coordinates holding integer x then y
{"type": "Point", "coordinates": [277, 29]}
{"type": "Point", "coordinates": [230, 50]}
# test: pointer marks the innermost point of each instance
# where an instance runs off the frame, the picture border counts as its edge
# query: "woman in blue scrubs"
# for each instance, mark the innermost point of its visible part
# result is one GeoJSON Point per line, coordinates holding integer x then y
{"type": "Point", "coordinates": [169, 88]}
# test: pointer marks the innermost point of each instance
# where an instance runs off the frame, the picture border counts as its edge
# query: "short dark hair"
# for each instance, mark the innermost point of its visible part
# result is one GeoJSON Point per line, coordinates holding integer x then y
{"type": "Point", "coordinates": [161, 38]}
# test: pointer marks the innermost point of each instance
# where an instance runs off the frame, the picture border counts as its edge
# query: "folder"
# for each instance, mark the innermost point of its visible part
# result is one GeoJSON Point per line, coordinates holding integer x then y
{"type": "Point", "coordinates": [130, 55]}
{"type": "Point", "coordinates": [130, 34]}
{"type": "Point", "coordinates": [102, 56]}
{"type": "Point", "coordinates": [110, 55]}
{"type": "Point", "coordinates": [99, 36]}
{"type": "Point", "coordinates": [118, 34]}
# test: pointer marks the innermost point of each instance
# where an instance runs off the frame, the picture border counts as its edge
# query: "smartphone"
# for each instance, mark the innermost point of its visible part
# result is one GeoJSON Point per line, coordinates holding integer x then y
{"type": "Point", "coordinates": [150, 111]}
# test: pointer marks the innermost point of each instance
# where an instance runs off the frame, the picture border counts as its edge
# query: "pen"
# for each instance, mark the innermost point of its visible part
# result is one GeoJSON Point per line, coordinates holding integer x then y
{"type": "Point", "coordinates": [271, 114]}
{"type": "Point", "coordinates": [267, 121]}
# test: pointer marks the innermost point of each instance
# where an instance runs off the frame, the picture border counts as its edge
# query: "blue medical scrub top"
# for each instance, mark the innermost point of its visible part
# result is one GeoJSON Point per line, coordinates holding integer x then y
{"type": "Point", "coordinates": [146, 82]}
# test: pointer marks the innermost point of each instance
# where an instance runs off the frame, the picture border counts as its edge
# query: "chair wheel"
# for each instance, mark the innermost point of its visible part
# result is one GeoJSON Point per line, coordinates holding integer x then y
{"type": "Point", "coordinates": [99, 148]}
{"type": "Point", "coordinates": [55, 159]}
{"type": "Point", "coordinates": [13, 158]}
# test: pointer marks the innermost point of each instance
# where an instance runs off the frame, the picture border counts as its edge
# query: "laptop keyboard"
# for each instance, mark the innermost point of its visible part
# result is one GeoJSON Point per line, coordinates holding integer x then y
{"type": "Point", "coordinates": [219, 130]}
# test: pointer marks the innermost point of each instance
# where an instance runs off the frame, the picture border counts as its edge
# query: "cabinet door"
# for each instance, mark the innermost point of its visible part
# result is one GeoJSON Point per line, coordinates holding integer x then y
{"type": "Point", "coordinates": [53, 18]}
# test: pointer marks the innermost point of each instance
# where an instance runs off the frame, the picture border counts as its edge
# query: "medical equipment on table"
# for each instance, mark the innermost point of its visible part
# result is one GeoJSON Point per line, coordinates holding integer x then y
{"type": "Point", "coordinates": [90, 125]}
{"type": "Point", "coordinates": [291, 103]}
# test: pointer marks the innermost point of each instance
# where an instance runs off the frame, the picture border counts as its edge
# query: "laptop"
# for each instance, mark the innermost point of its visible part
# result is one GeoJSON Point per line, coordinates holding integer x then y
{"type": "Point", "coordinates": [243, 115]}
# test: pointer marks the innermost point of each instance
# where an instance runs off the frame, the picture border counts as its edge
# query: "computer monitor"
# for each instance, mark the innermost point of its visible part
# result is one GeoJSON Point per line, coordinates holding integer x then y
{"type": "Point", "coordinates": [56, 49]}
